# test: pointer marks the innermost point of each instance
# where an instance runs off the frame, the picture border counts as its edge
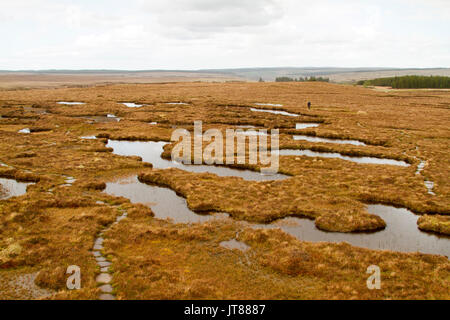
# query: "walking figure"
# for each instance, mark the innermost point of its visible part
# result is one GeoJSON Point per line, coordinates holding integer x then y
{"type": "Point", "coordinates": [309, 105]}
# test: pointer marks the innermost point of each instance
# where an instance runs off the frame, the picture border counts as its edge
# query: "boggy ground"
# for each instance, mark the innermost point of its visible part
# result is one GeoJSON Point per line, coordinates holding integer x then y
{"type": "Point", "coordinates": [54, 225]}
{"type": "Point", "coordinates": [156, 260]}
{"type": "Point", "coordinates": [436, 223]}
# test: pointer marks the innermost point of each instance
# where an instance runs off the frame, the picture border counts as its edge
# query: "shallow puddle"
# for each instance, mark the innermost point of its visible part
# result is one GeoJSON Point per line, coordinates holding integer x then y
{"type": "Point", "coordinates": [102, 119]}
{"type": "Point", "coordinates": [70, 103]}
{"type": "Point", "coordinates": [401, 233]}
{"type": "Point", "coordinates": [363, 160]}
{"type": "Point", "coordinates": [177, 103]}
{"type": "Point", "coordinates": [325, 140]}
{"type": "Point", "coordinates": [132, 105]}
{"type": "Point", "coordinates": [300, 126]}
{"type": "Point", "coordinates": [151, 152]}
{"type": "Point", "coordinates": [428, 184]}
{"type": "Point", "coordinates": [70, 180]}
{"type": "Point", "coordinates": [13, 188]}
{"type": "Point", "coordinates": [269, 104]}
{"type": "Point", "coordinates": [253, 133]}
{"type": "Point", "coordinates": [165, 203]}
{"type": "Point", "coordinates": [284, 113]}
{"type": "Point", "coordinates": [234, 244]}
{"type": "Point", "coordinates": [26, 131]}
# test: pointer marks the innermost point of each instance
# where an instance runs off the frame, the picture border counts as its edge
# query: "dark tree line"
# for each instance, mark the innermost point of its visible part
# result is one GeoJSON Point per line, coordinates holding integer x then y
{"type": "Point", "coordinates": [410, 82]}
{"type": "Point", "coordinates": [301, 79]}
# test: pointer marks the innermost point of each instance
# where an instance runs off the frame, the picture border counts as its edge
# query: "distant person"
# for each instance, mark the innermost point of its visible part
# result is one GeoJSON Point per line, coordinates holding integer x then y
{"type": "Point", "coordinates": [309, 105]}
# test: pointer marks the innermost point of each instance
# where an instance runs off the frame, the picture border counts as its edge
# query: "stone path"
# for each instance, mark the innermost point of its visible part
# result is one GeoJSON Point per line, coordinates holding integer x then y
{"type": "Point", "coordinates": [104, 278]}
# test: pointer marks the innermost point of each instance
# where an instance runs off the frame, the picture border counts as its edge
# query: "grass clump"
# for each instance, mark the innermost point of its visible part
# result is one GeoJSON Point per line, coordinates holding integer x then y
{"type": "Point", "coordinates": [435, 223]}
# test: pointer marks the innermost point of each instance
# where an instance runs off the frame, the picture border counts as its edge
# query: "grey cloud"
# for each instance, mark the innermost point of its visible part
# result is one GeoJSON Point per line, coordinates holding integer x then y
{"type": "Point", "coordinates": [215, 15]}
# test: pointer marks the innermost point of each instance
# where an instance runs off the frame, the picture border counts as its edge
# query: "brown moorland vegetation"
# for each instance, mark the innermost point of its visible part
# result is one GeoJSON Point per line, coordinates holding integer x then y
{"type": "Point", "coordinates": [55, 224]}
{"type": "Point", "coordinates": [436, 223]}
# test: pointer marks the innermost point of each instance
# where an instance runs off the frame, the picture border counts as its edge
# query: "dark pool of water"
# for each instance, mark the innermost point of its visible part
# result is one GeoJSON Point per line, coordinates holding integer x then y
{"type": "Point", "coordinates": [269, 104]}
{"type": "Point", "coordinates": [325, 140]}
{"type": "Point", "coordinates": [364, 160]}
{"type": "Point", "coordinates": [234, 244]}
{"type": "Point", "coordinates": [151, 152]}
{"type": "Point", "coordinates": [13, 188]}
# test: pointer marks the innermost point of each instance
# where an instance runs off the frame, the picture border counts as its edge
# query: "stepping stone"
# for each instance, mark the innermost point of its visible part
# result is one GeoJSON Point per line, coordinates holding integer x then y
{"type": "Point", "coordinates": [104, 269]}
{"type": "Point", "coordinates": [106, 288]}
{"type": "Point", "coordinates": [100, 259]}
{"type": "Point", "coordinates": [99, 240]}
{"type": "Point", "coordinates": [104, 263]}
{"type": "Point", "coordinates": [103, 278]}
{"type": "Point", "coordinates": [98, 247]}
{"type": "Point", "coordinates": [96, 254]}
{"type": "Point", "coordinates": [107, 296]}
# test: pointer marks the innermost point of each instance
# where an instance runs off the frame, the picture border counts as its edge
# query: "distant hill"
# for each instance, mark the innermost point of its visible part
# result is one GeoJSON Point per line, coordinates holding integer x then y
{"type": "Point", "coordinates": [335, 74]}
{"type": "Point", "coordinates": [63, 78]}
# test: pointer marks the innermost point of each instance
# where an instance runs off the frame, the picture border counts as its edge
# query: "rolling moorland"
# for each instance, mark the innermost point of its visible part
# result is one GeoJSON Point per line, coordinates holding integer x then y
{"type": "Point", "coordinates": [71, 180]}
{"type": "Point", "coordinates": [82, 78]}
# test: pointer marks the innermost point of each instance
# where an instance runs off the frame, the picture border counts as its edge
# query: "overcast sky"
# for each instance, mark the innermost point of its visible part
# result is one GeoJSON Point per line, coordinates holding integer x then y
{"type": "Point", "coordinates": [196, 34]}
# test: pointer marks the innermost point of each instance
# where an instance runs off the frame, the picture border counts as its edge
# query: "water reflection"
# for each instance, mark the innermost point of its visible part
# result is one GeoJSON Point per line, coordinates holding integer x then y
{"type": "Point", "coordinates": [363, 160]}
{"type": "Point", "coordinates": [164, 202]}
{"type": "Point", "coordinates": [151, 152]}
{"type": "Point", "coordinates": [401, 233]}
{"type": "Point", "coordinates": [284, 113]}
{"type": "Point", "coordinates": [325, 140]}
{"type": "Point", "coordinates": [12, 188]}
